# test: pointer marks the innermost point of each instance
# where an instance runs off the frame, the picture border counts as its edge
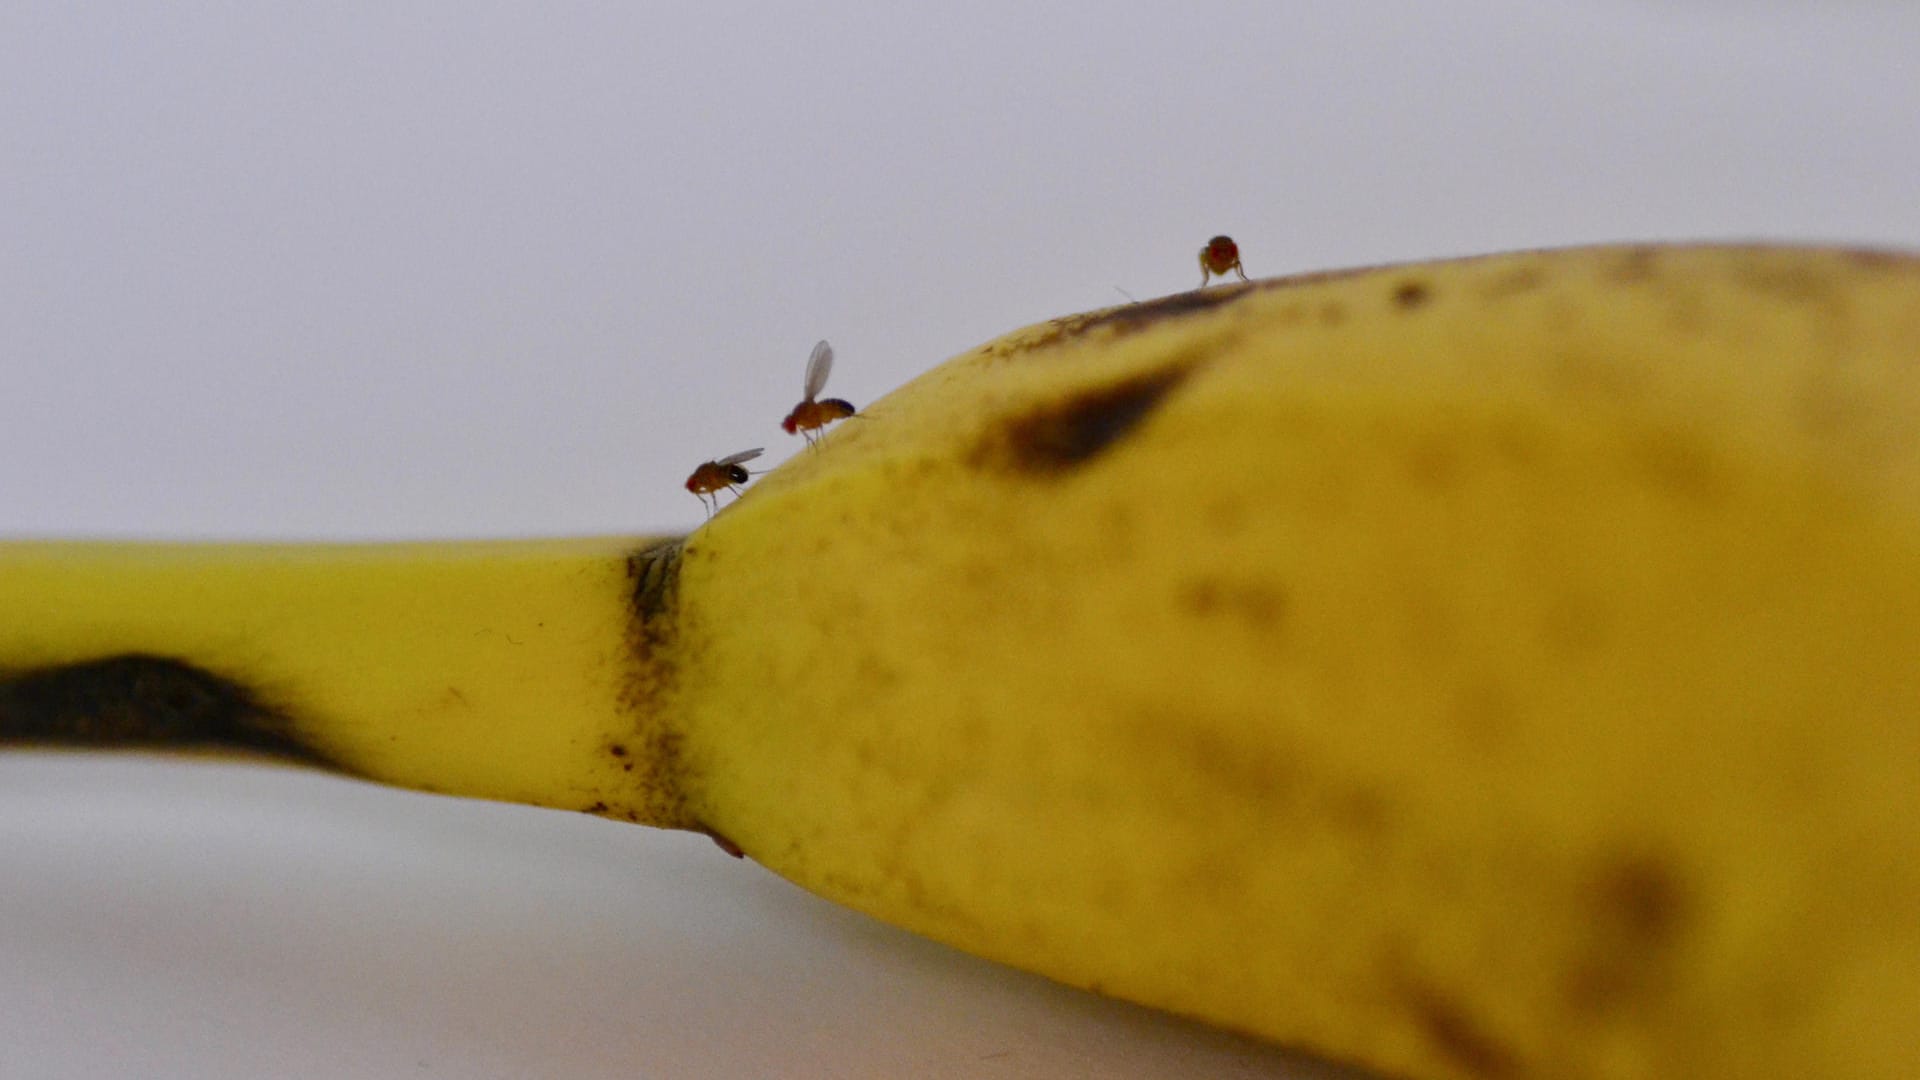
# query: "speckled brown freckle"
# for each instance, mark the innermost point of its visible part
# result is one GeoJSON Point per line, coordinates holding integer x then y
{"type": "Point", "coordinates": [1332, 313]}
{"type": "Point", "coordinates": [1636, 265]}
{"type": "Point", "coordinates": [1411, 294]}
{"type": "Point", "coordinates": [1195, 750]}
{"type": "Point", "coordinates": [1256, 604]}
{"type": "Point", "coordinates": [1362, 811]}
{"type": "Point", "coordinates": [1793, 282]}
{"type": "Point", "coordinates": [1678, 464]}
{"type": "Point", "coordinates": [1643, 896]}
{"type": "Point", "coordinates": [1881, 260]}
{"type": "Point", "coordinates": [1215, 870]}
{"type": "Point", "coordinates": [1640, 911]}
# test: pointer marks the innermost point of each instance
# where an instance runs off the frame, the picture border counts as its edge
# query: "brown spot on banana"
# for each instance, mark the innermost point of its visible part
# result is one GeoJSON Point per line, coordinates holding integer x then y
{"type": "Point", "coordinates": [1645, 897]}
{"type": "Point", "coordinates": [1409, 295]}
{"type": "Point", "coordinates": [1256, 604]}
{"type": "Point", "coordinates": [1636, 265]}
{"type": "Point", "coordinates": [1641, 913]}
{"type": "Point", "coordinates": [655, 574]}
{"type": "Point", "coordinates": [139, 700]}
{"type": "Point", "coordinates": [1064, 434]}
{"type": "Point", "coordinates": [1457, 1035]}
{"type": "Point", "coordinates": [1881, 261]}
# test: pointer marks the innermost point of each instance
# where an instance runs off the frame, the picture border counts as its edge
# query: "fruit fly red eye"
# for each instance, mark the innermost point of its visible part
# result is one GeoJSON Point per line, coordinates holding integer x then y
{"type": "Point", "coordinates": [722, 474]}
{"type": "Point", "coordinates": [1219, 256]}
{"type": "Point", "coordinates": [811, 415]}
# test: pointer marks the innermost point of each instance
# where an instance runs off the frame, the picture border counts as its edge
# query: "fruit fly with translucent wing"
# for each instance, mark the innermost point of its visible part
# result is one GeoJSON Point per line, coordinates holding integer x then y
{"type": "Point", "coordinates": [815, 412]}
{"type": "Point", "coordinates": [1219, 256]}
{"type": "Point", "coordinates": [722, 474]}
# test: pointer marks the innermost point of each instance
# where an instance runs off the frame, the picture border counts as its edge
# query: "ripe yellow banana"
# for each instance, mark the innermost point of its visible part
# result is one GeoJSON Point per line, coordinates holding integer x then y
{"type": "Point", "coordinates": [1505, 667]}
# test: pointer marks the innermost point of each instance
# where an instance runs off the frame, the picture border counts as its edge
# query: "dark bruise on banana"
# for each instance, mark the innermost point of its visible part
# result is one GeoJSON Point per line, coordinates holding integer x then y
{"type": "Point", "coordinates": [140, 700]}
{"type": "Point", "coordinates": [1065, 434]}
{"type": "Point", "coordinates": [655, 576]}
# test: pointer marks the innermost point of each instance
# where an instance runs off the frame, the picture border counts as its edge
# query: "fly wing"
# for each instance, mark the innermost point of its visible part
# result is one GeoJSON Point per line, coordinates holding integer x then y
{"type": "Point", "coordinates": [744, 455]}
{"type": "Point", "coordinates": [819, 366]}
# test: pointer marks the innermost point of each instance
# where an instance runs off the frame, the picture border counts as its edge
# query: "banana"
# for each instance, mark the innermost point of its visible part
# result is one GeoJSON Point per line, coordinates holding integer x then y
{"type": "Point", "coordinates": [1500, 667]}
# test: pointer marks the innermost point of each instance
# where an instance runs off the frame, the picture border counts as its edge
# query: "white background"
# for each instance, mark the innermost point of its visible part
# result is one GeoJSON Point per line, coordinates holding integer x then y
{"type": "Point", "coordinates": [394, 270]}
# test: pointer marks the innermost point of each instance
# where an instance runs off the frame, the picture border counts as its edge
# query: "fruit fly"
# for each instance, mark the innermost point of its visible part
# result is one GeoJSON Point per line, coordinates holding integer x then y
{"type": "Point", "coordinates": [1219, 256]}
{"type": "Point", "coordinates": [811, 415]}
{"type": "Point", "coordinates": [723, 474]}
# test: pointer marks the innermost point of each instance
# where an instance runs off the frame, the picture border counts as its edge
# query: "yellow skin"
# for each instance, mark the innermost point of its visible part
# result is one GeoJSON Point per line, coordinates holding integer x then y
{"type": "Point", "coordinates": [1494, 668]}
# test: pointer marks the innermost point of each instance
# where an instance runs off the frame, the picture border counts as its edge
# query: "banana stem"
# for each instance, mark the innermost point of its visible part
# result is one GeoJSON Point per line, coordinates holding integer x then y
{"type": "Point", "coordinates": [512, 670]}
